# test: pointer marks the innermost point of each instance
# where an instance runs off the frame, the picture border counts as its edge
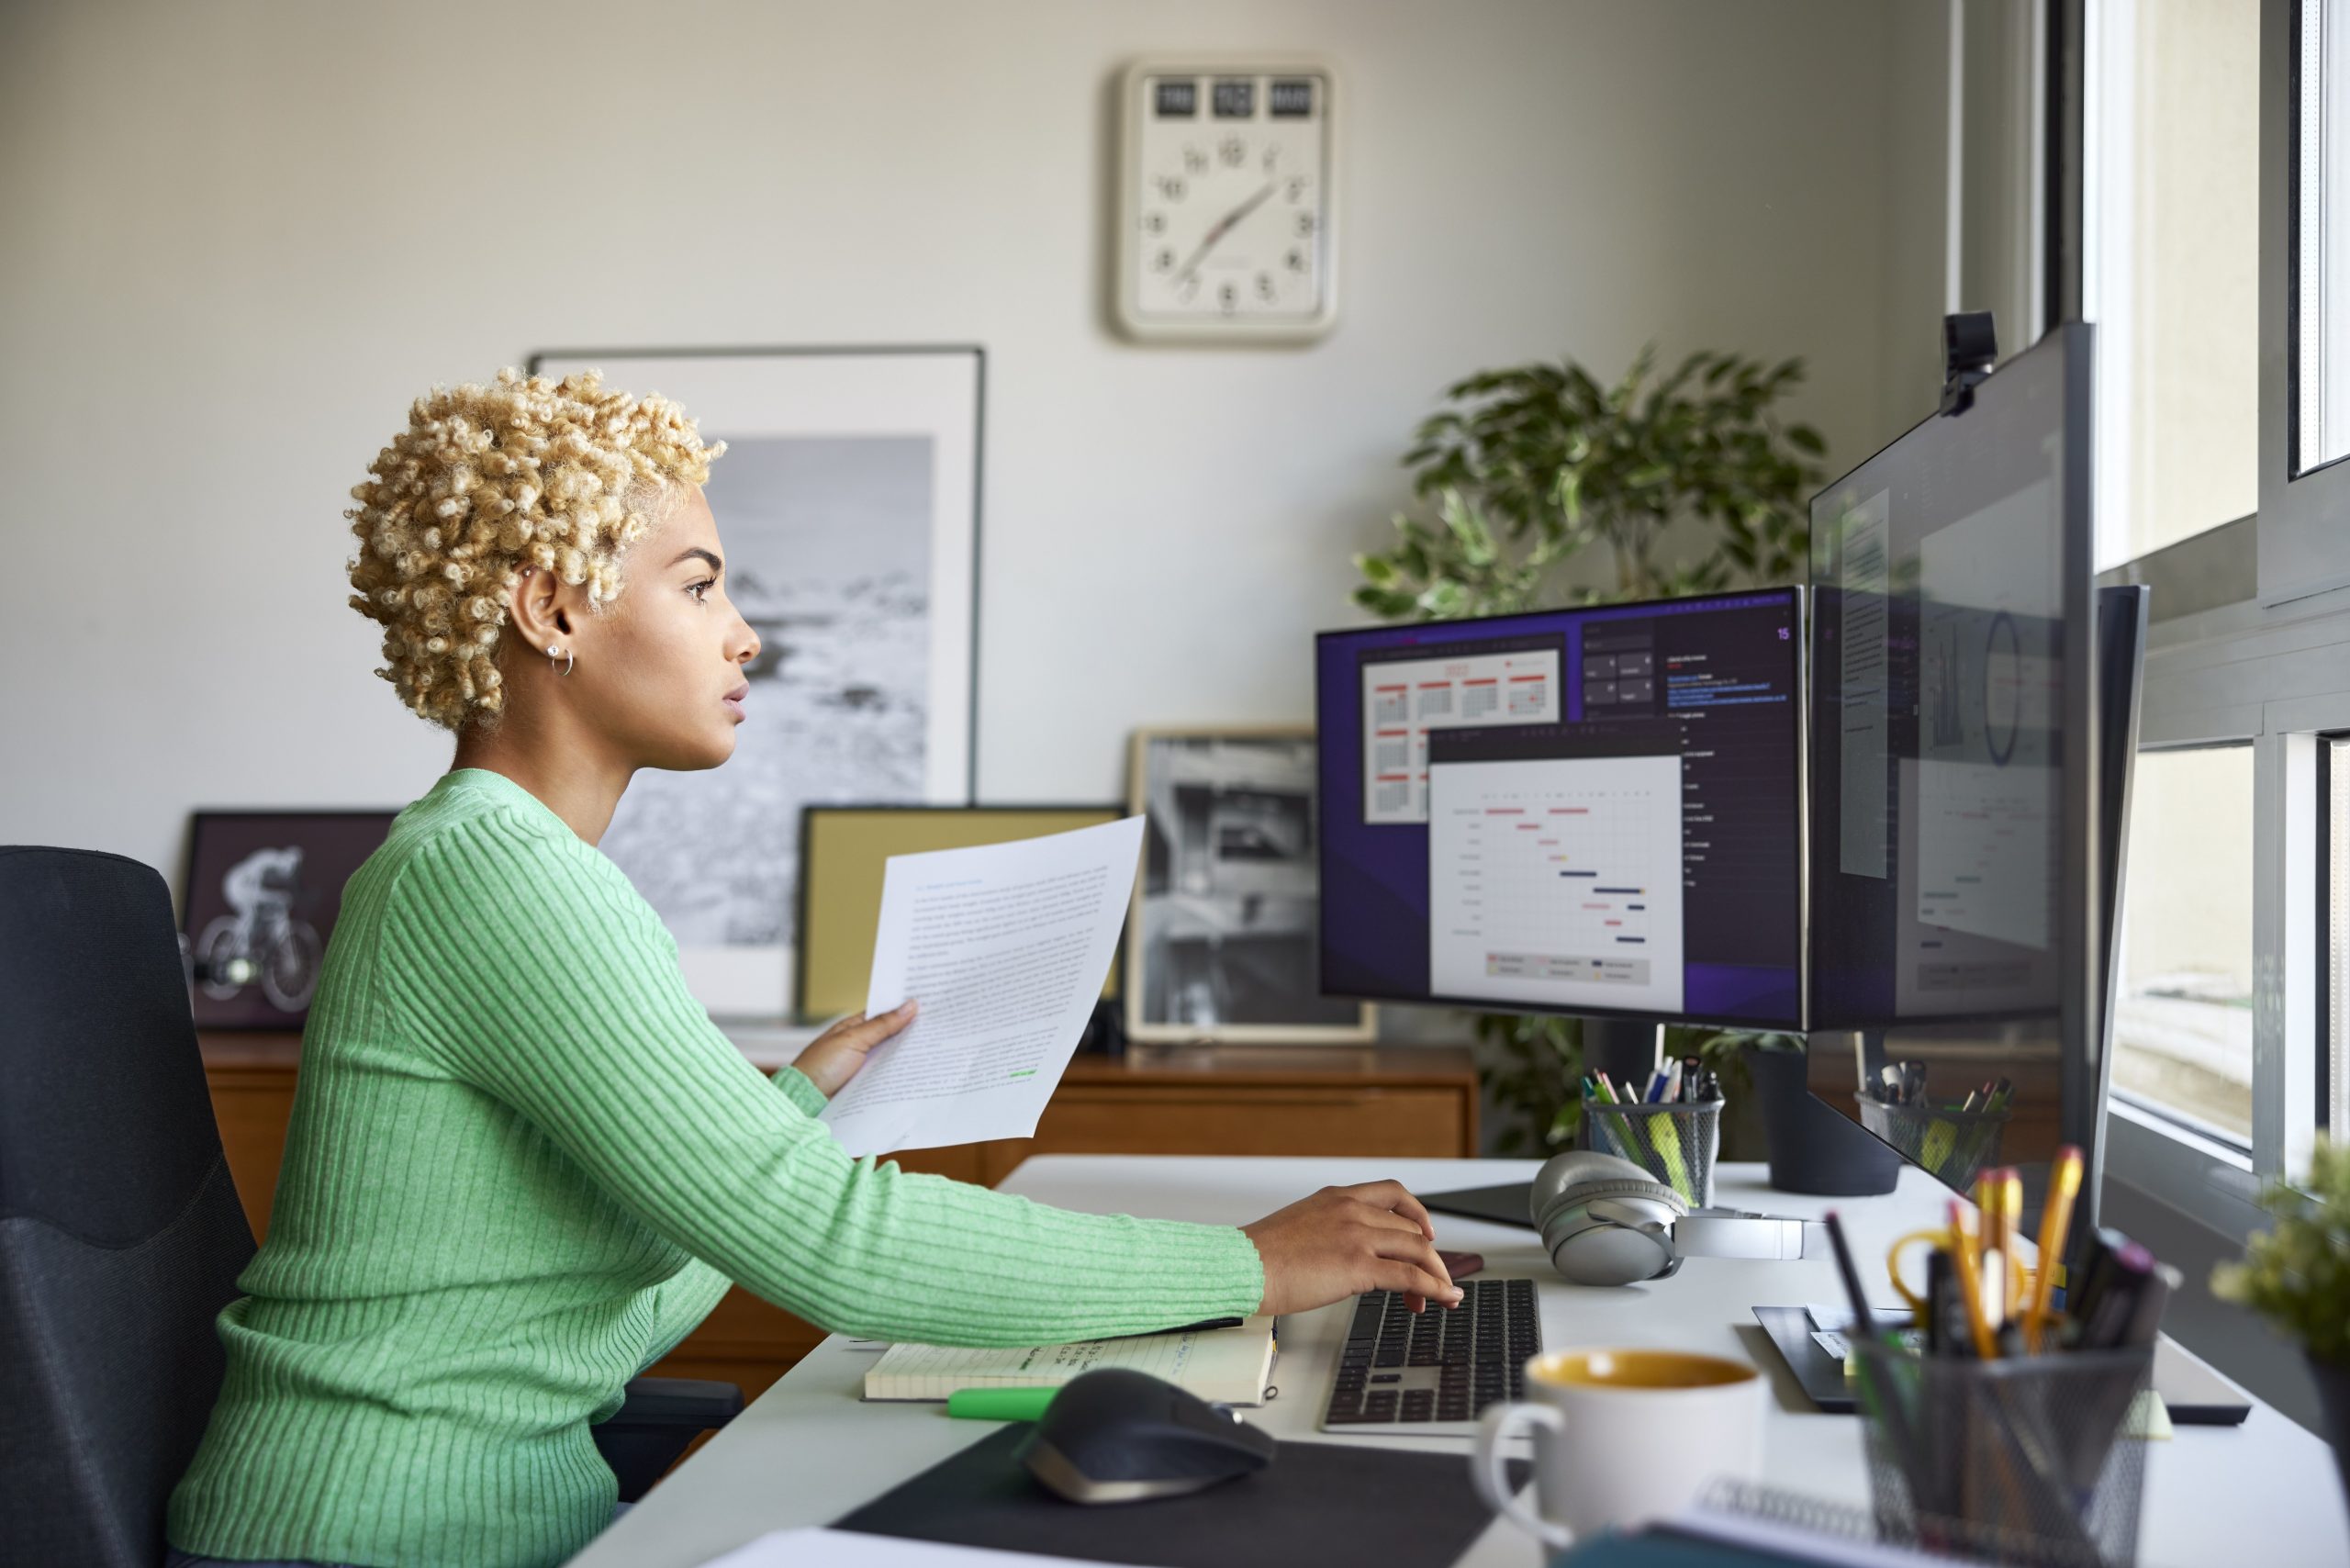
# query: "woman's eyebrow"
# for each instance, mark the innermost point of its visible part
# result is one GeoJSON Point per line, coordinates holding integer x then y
{"type": "Point", "coordinates": [716, 564]}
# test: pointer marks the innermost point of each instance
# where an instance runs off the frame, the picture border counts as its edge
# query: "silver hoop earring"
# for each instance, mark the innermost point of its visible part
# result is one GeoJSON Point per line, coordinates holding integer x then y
{"type": "Point", "coordinates": [568, 658]}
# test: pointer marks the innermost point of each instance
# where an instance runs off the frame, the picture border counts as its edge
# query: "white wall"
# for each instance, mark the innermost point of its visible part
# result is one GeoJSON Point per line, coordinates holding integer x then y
{"type": "Point", "coordinates": [238, 238]}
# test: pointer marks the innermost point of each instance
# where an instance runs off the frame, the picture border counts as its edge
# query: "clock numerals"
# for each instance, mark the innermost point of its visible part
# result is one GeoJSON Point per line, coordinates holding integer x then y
{"type": "Point", "coordinates": [1226, 185]}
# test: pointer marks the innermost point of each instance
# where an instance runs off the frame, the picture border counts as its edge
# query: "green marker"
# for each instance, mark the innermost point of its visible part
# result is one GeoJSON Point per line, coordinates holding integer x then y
{"type": "Point", "coordinates": [999, 1404]}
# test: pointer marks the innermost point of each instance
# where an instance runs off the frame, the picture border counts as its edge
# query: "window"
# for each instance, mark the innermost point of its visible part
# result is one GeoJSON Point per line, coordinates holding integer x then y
{"type": "Point", "coordinates": [2337, 1107]}
{"type": "Point", "coordinates": [2175, 289]}
{"type": "Point", "coordinates": [2321, 238]}
{"type": "Point", "coordinates": [2183, 1020]}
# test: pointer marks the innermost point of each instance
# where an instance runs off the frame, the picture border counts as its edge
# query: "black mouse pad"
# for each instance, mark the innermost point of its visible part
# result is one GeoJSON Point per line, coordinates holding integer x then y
{"type": "Point", "coordinates": [1315, 1503]}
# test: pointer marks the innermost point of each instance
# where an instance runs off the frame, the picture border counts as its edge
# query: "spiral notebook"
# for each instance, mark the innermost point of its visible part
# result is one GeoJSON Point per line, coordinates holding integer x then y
{"type": "Point", "coordinates": [1226, 1366]}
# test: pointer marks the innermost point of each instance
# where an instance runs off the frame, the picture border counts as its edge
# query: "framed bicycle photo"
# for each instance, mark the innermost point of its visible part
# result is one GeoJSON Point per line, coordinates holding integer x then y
{"type": "Point", "coordinates": [1223, 942]}
{"type": "Point", "coordinates": [259, 900]}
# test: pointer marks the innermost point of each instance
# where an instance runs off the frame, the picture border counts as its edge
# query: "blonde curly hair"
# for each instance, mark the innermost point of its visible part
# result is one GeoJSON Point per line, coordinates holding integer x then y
{"type": "Point", "coordinates": [486, 480]}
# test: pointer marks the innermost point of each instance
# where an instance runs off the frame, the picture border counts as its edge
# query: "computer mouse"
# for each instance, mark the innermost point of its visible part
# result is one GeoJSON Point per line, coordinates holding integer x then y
{"type": "Point", "coordinates": [1119, 1436]}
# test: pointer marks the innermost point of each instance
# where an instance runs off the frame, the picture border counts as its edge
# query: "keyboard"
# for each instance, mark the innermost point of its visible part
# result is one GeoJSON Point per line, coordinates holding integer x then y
{"type": "Point", "coordinates": [1432, 1373]}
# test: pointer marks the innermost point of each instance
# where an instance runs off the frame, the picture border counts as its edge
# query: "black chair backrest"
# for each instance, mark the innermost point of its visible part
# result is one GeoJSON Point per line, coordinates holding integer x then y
{"type": "Point", "coordinates": [120, 1233]}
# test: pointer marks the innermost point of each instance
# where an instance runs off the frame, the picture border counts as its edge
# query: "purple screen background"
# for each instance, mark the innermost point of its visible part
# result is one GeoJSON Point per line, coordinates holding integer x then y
{"type": "Point", "coordinates": [1375, 879]}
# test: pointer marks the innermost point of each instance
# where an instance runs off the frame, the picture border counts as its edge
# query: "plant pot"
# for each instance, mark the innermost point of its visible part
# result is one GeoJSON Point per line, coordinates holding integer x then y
{"type": "Point", "coordinates": [2333, 1398]}
{"type": "Point", "coordinates": [1814, 1149]}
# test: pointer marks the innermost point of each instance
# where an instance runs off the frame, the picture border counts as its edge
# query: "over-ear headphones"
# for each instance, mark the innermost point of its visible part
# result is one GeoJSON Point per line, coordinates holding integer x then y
{"type": "Point", "coordinates": [1604, 1220]}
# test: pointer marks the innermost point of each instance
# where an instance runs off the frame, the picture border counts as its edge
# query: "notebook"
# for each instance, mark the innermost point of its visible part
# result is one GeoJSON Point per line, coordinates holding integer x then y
{"type": "Point", "coordinates": [1226, 1366]}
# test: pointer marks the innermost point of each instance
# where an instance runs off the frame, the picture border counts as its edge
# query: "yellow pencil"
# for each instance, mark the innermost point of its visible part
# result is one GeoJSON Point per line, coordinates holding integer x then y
{"type": "Point", "coordinates": [1970, 1281]}
{"type": "Point", "coordinates": [2011, 1224]}
{"type": "Point", "coordinates": [1990, 1257]}
{"type": "Point", "coordinates": [2055, 1220]}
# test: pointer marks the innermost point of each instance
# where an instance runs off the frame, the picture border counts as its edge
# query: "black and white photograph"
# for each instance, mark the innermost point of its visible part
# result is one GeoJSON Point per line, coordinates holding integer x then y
{"type": "Point", "coordinates": [263, 889]}
{"type": "Point", "coordinates": [847, 497]}
{"type": "Point", "coordinates": [1223, 941]}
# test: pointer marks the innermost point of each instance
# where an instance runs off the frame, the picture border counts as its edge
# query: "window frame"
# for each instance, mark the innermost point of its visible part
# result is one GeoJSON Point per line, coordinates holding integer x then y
{"type": "Point", "coordinates": [2295, 562]}
{"type": "Point", "coordinates": [2240, 651]}
{"type": "Point", "coordinates": [2278, 678]}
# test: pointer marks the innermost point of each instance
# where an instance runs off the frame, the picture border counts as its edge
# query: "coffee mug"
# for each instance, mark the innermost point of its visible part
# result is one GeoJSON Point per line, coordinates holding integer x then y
{"type": "Point", "coordinates": [1621, 1438]}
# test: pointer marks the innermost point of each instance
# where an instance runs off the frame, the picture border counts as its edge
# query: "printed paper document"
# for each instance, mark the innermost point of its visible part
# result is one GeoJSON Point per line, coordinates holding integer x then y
{"type": "Point", "coordinates": [1004, 948]}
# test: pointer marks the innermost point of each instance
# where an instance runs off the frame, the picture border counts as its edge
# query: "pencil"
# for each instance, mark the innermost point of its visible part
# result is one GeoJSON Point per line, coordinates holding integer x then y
{"type": "Point", "coordinates": [2056, 1222]}
{"type": "Point", "coordinates": [1970, 1281]}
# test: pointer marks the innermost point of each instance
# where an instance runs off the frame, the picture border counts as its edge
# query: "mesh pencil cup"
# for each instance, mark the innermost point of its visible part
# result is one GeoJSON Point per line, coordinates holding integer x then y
{"type": "Point", "coordinates": [1672, 1141]}
{"type": "Point", "coordinates": [1953, 1145]}
{"type": "Point", "coordinates": [2025, 1458]}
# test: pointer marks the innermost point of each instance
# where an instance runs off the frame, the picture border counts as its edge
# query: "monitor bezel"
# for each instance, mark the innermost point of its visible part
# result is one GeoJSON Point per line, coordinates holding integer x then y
{"type": "Point", "coordinates": [2081, 990]}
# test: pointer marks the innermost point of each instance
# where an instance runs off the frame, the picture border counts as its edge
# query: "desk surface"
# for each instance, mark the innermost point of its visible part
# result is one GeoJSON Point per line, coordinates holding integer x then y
{"type": "Point", "coordinates": [809, 1451]}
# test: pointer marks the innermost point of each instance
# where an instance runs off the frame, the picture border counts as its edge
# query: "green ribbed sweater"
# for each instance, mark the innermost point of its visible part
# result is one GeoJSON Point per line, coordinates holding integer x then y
{"type": "Point", "coordinates": [522, 1164]}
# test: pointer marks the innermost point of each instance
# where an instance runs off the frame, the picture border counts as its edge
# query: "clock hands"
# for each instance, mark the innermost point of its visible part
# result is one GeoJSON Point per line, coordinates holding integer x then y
{"type": "Point", "coordinates": [1223, 227]}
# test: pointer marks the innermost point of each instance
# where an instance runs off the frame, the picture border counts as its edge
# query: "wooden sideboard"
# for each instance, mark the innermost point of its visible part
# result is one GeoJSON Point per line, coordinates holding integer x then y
{"type": "Point", "coordinates": [1400, 1101]}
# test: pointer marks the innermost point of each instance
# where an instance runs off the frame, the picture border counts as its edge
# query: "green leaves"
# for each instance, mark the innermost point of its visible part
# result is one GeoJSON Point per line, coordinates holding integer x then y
{"type": "Point", "coordinates": [2297, 1272]}
{"type": "Point", "coordinates": [1534, 463]}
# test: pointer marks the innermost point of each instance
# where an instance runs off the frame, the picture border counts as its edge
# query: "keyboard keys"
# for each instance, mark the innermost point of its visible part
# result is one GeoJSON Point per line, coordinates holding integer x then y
{"type": "Point", "coordinates": [1399, 1368]}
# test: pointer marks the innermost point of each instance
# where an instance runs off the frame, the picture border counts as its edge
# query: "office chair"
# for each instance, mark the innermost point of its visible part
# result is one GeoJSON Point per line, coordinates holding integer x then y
{"type": "Point", "coordinates": [121, 1237]}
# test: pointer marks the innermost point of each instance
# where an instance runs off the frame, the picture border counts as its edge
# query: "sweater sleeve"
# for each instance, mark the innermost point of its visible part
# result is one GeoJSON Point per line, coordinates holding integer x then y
{"type": "Point", "coordinates": [530, 968]}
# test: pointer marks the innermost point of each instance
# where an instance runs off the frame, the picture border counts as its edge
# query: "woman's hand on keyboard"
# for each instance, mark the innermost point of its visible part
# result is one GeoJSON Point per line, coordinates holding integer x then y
{"type": "Point", "coordinates": [1343, 1241]}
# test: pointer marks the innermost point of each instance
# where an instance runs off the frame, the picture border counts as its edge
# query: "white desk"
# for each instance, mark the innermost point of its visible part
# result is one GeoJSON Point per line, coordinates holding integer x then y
{"type": "Point", "coordinates": [809, 1451]}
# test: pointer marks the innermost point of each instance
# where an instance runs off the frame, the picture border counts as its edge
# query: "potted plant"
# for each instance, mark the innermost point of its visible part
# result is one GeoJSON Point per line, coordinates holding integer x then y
{"type": "Point", "coordinates": [1693, 485]}
{"type": "Point", "coordinates": [2297, 1274]}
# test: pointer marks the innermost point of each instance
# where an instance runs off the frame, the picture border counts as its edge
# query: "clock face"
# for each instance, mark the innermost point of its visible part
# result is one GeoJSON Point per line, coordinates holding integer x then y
{"type": "Point", "coordinates": [1226, 203]}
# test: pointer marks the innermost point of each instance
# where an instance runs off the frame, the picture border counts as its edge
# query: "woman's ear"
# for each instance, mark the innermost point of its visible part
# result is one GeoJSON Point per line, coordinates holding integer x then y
{"type": "Point", "coordinates": [536, 608]}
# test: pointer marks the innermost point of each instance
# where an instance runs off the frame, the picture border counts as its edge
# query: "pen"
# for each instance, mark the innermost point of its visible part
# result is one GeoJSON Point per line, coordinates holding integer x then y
{"type": "Point", "coordinates": [1938, 1288]}
{"type": "Point", "coordinates": [1887, 1400]}
{"type": "Point", "coordinates": [2146, 1318]}
{"type": "Point", "coordinates": [999, 1404]}
{"type": "Point", "coordinates": [2117, 1304]}
{"type": "Point", "coordinates": [2055, 1218]}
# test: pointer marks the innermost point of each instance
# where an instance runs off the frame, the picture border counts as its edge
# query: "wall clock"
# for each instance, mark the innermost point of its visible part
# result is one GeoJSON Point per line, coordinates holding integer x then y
{"type": "Point", "coordinates": [1225, 200]}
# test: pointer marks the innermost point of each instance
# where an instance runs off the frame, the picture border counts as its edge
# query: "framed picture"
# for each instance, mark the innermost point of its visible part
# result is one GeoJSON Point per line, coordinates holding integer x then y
{"type": "Point", "coordinates": [259, 901]}
{"type": "Point", "coordinates": [848, 507]}
{"type": "Point", "coordinates": [1223, 943]}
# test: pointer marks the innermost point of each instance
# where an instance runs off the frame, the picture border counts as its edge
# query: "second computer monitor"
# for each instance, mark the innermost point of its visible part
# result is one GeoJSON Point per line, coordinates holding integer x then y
{"type": "Point", "coordinates": [1593, 812]}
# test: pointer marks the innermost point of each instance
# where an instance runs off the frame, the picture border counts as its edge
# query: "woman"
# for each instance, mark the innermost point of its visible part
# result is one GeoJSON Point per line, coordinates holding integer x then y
{"type": "Point", "coordinates": [522, 1163]}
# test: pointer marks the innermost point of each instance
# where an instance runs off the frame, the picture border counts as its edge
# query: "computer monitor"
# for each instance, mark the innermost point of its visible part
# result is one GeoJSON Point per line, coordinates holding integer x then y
{"type": "Point", "coordinates": [842, 853]}
{"type": "Point", "coordinates": [1595, 811]}
{"type": "Point", "coordinates": [1956, 886]}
